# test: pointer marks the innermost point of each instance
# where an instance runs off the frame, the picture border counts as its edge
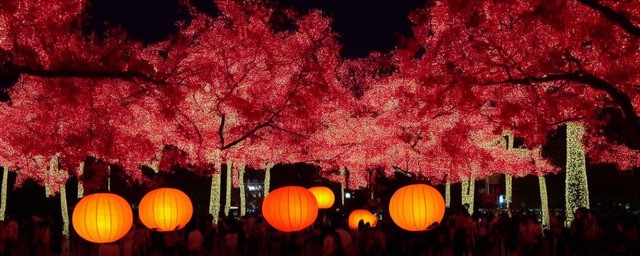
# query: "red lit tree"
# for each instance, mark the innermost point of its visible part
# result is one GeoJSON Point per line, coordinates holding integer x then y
{"type": "Point", "coordinates": [233, 88]}
{"type": "Point", "coordinates": [251, 94]}
{"type": "Point", "coordinates": [536, 65]}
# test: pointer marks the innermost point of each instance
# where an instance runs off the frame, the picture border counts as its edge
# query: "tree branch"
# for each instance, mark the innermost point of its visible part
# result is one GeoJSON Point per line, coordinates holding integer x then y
{"type": "Point", "coordinates": [221, 129]}
{"type": "Point", "coordinates": [623, 100]}
{"type": "Point", "coordinates": [251, 132]}
{"type": "Point", "coordinates": [623, 21]}
{"type": "Point", "coordinates": [276, 127]}
{"type": "Point", "coordinates": [71, 73]}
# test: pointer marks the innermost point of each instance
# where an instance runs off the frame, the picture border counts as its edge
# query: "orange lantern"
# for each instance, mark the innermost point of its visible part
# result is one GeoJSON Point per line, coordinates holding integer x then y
{"type": "Point", "coordinates": [324, 195]}
{"type": "Point", "coordinates": [364, 215]}
{"type": "Point", "coordinates": [416, 207]}
{"type": "Point", "coordinates": [290, 209]}
{"type": "Point", "coordinates": [102, 218]}
{"type": "Point", "coordinates": [165, 209]}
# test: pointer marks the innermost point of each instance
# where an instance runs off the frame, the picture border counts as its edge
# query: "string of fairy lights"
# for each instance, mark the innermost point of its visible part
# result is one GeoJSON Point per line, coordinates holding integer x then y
{"type": "Point", "coordinates": [342, 182]}
{"type": "Point", "coordinates": [48, 190]}
{"type": "Point", "coordinates": [576, 186]}
{"type": "Point", "coordinates": [227, 203]}
{"type": "Point", "coordinates": [243, 208]}
{"type": "Point", "coordinates": [508, 182]}
{"type": "Point", "coordinates": [3, 199]}
{"type": "Point", "coordinates": [468, 192]}
{"type": "Point", "coordinates": [447, 194]}
{"type": "Point", "coordinates": [214, 196]}
{"type": "Point", "coordinates": [64, 209]}
{"type": "Point", "coordinates": [267, 178]}
{"type": "Point", "coordinates": [508, 187]}
{"type": "Point", "coordinates": [544, 202]}
{"type": "Point", "coordinates": [80, 185]}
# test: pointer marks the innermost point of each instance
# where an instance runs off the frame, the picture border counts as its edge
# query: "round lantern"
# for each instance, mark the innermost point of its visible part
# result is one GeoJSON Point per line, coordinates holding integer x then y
{"type": "Point", "coordinates": [290, 209]}
{"type": "Point", "coordinates": [165, 209]}
{"type": "Point", "coordinates": [416, 207]}
{"type": "Point", "coordinates": [364, 215]}
{"type": "Point", "coordinates": [324, 195]}
{"type": "Point", "coordinates": [102, 218]}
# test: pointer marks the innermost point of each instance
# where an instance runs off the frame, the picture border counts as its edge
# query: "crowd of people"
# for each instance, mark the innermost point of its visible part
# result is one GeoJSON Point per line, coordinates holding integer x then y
{"type": "Point", "coordinates": [491, 233]}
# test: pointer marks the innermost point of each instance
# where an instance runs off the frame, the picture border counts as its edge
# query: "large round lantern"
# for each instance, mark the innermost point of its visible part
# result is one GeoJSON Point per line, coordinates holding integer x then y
{"type": "Point", "coordinates": [290, 209]}
{"type": "Point", "coordinates": [416, 207]}
{"type": "Point", "coordinates": [324, 195]}
{"type": "Point", "coordinates": [102, 218]}
{"type": "Point", "coordinates": [364, 215]}
{"type": "Point", "coordinates": [165, 209]}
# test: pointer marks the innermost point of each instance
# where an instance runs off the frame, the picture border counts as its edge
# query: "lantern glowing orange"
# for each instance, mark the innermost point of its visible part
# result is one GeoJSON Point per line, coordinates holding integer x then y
{"type": "Point", "coordinates": [324, 195]}
{"type": "Point", "coordinates": [364, 215]}
{"type": "Point", "coordinates": [165, 209]}
{"type": "Point", "coordinates": [102, 218]}
{"type": "Point", "coordinates": [416, 207]}
{"type": "Point", "coordinates": [290, 209]}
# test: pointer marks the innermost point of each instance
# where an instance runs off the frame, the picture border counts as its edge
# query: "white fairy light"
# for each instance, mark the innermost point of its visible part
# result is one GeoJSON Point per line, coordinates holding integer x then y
{"type": "Point", "coordinates": [576, 186]}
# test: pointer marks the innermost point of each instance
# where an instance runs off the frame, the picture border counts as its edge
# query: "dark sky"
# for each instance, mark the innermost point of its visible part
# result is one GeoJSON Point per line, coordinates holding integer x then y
{"type": "Point", "coordinates": [363, 25]}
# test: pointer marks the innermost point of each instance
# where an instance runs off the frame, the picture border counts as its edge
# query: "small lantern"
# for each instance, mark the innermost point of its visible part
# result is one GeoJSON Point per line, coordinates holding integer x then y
{"type": "Point", "coordinates": [324, 195]}
{"type": "Point", "coordinates": [364, 215]}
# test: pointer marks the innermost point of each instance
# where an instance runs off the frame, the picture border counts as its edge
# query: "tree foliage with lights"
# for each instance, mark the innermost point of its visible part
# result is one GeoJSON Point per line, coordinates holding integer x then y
{"type": "Point", "coordinates": [236, 88]}
{"type": "Point", "coordinates": [537, 65]}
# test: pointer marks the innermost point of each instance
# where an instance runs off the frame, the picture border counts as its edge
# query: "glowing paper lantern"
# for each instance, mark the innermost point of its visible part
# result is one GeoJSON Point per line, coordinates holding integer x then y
{"type": "Point", "coordinates": [102, 218]}
{"type": "Point", "coordinates": [364, 215]}
{"type": "Point", "coordinates": [416, 207]}
{"type": "Point", "coordinates": [290, 209]}
{"type": "Point", "coordinates": [324, 196]}
{"type": "Point", "coordinates": [165, 209]}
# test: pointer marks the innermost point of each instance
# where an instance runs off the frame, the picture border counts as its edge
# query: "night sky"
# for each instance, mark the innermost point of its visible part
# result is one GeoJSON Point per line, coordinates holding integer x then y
{"type": "Point", "coordinates": [363, 26]}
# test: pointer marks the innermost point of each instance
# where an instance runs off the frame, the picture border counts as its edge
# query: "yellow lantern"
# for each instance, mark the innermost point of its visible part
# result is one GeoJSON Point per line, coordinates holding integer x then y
{"type": "Point", "coordinates": [416, 207]}
{"type": "Point", "coordinates": [165, 209]}
{"type": "Point", "coordinates": [364, 215]}
{"type": "Point", "coordinates": [324, 195]}
{"type": "Point", "coordinates": [290, 209]}
{"type": "Point", "coordinates": [102, 218]}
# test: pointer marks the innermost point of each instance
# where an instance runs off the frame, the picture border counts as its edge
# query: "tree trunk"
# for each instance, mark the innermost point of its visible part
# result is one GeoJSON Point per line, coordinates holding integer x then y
{"type": "Point", "coordinates": [109, 178]}
{"type": "Point", "coordinates": [267, 178]}
{"type": "Point", "coordinates": [447, 194]}
{"type": "Point", "coordinates": [64, 210]}
{"type": "Point", "coordinates": [468, 192]}
{"type": "Point", "coordinates": [227, 203]}
{"type": "Point", "coordinates": [342, 184]}
{"type": "Point", "coordinates": [214, 193]}
{"type": "Point", "coordinates": [508, 187]}
{"type": "Point", "coordinates": [544, 201]}
{"type": "Point", "coordinates": [53, 167]}
{"type": "Point", "coordinates": [243, 208]}
{"type": "Point", "coordinates": [3, 199]}
{"type": "Point", "coordinates": [508, 181]}
{"type": "Point", "coordinates": [576, 186]}
{"type": "Point", "coordinates": [80, 185]}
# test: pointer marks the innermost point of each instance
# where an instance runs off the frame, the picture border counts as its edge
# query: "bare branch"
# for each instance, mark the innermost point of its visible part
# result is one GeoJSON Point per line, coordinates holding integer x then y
{"type": "Point", "coordinates": [221, 129]}
{"type": "Point", "coordinates": [623, 21]}
{"type": "Point", "coordinates": [94, 74]}
{"type": "Point", "coordinates": [623, 100]}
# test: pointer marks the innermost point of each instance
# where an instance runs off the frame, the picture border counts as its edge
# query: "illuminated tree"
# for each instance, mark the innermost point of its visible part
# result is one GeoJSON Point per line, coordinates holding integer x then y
{"type": "Point", "coordinates": [576, 185]}
{"type": "Point", "coordinates": [538, 64]}
{"type": "Point", "coordinates": [239, 90]}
